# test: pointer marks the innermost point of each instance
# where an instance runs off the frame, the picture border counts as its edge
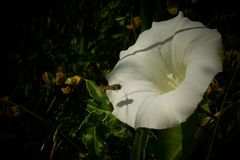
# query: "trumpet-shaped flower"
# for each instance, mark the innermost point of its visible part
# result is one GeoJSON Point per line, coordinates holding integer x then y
{"type": "Point", "coordinates": [164, 75]}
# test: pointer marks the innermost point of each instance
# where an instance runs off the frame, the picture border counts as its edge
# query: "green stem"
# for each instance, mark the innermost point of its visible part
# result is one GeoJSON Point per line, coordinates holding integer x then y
{"type": "Point", "coordinates": [142, 134]}
{"type": "Point", "coordinates": [139, 144]}
{"type": "Point", "coordinates": [146, 15]}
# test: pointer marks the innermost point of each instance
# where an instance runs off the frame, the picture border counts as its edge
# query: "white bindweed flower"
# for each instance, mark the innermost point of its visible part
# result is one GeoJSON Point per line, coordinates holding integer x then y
{"type": "Point", "coordinates": [164, 75]}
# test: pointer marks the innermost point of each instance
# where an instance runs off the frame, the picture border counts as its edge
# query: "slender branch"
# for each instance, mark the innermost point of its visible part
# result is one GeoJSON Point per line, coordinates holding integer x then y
{"type": "Point", "coordinates": [220, 113]}
{"type": "Point", "coordinates": [25, 109]}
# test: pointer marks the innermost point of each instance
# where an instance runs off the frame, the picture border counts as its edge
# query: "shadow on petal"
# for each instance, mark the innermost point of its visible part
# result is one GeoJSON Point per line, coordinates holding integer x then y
{"type": "Point", "coordinates": [208, 70]}
{"type": "Point", "coordinates": [125, 102]}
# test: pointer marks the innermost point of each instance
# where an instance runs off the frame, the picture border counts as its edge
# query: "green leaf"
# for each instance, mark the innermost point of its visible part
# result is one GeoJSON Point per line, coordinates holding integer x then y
{"type": "Point", "coordinates": [111, 121]}
{"type": "Point", "coordinates": [169, 143]}
{"type": "Point", "coordinates": [98, 95]}
{"type": "Point", "coordinates": [190, 132]}
{"type": "Point", "coordinates": [120, 132]}
{"type": "Point", "coordinates": [92, 119]}
{"type": "Point", "coordinates": [92, 106]}
{"type": "Point", "coordinates": [206, 108]}
{"type": "Point", "coordinates": [94, 142]}
{"type": "Point", "coordinates": [105, 117]}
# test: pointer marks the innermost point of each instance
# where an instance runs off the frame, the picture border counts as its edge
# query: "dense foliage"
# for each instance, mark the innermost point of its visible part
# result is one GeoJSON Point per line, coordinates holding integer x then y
{"type": "Point", "coordinates": [53, 64]}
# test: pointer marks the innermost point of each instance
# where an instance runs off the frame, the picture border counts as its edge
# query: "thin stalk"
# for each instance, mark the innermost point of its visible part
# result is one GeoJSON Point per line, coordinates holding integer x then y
{"type": "Point", "coordinates": [146, 15]}
{"type": "Point", "coordinates": [140, 144]}
{"type": "Point", "coordinates": [220, 113]}
{"type": "Point", "coordinates": [25, 109]}
{"type": "Point", "coordinates": [142, 134]}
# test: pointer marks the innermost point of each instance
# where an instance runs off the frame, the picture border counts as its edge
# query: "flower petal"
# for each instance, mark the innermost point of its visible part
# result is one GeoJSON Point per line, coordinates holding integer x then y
{"type": "Point", "coordinates": [200, 50]}
{"type": "Point", "coordinates": [159, 32]}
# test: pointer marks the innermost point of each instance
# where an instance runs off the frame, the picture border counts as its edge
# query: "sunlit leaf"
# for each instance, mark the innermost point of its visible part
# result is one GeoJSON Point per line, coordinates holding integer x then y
{"type": "Point", "coordinates": [109, 120]}
{"type": "Point", "coordinates": [98, 95]}
{"type": "Point", "coordinates": [206, 107]}
{"type": "Point", "coordinates": [92, 106]}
